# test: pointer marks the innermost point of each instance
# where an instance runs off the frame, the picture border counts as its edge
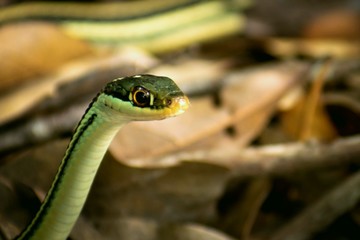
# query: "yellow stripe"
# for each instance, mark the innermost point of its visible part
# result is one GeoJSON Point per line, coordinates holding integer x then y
{"type": "Point", "coordinates": [145, 23]}
{"type": "Point", "coordinates": [225, 25]}
{"type": "Point", "coordinates": [133, 29]}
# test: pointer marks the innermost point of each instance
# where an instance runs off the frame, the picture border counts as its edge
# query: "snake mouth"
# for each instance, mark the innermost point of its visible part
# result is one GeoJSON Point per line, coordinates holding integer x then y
{"type": "Point", "coordinates": [179, 105]}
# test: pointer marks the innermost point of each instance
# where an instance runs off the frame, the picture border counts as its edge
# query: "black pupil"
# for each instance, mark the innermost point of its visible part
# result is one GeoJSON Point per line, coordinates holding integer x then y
{"type": "Point", "coordinates": [141, 97]}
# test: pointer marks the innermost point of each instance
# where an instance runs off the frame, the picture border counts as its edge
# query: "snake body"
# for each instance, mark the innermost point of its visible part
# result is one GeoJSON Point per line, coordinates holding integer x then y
{"type": "Point", "coordinates": [156, 25]}
{"type": "Point", "coordinates": [136, 98]}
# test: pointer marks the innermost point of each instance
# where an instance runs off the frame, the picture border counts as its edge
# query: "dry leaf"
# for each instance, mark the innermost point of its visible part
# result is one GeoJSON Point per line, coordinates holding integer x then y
{"type": "Point", "coordinates": [27, 187]}
{"type": "Point", "coordinates": [308, 119]}
{"type": "Point", "coordinates": [19, 203]}
{"type": "Point", "coordinates": [123, 191]}
{"type": "Point", "coordinates": [241, 215]}
{"type": "Point", "coordinates": [253, 96]}
{"type": "Point", "coordinates": [32, 50]}
{"type": "Point", "coordinates": [339, 23]}
{"type": "Point", "coordinates": [142, 145]}
{"type": "Point", "coordinates": [187, 192]}
{"type": "Point", "coordinates": [10, 106]}
{"type": "Point", "coordinates": [149, 139]}
{"type": "Point", "coordinates": [195, 75]}
{"type": "Point", "coordinates": [83, 230]}
{"type": "Point", "coordinates": [316, 48]}
{"type": "Point", "coordinates": [144, 229]}
{"type": "Point", "coordinates": [321, 127]}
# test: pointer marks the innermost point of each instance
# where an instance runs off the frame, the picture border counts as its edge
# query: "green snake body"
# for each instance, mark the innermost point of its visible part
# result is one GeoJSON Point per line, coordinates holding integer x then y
{"type": "Point", "coordinates": [136, 98]}
{"type": "Point", "coordinates": [156, 25]}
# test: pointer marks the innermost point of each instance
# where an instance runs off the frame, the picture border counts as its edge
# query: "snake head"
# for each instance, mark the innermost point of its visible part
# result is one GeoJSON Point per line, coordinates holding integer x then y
{"type": "Point", "coordinates": [144, 97]}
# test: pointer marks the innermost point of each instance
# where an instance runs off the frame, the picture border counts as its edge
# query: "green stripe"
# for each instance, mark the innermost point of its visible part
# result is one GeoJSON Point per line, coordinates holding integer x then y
{"type": "Point", "coordinates": [101, 121]}
{"type": "Point", "coordinates": [154, 25]}
{"type": "Point", "coordinates": [56, 185]}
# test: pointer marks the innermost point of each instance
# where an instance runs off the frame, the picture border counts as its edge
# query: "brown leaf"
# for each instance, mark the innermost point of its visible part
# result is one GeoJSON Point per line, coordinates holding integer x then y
{"type": "Point", "coordinates": [143, 229]}
{"type": "Point", "coordinates": [308, 118]}
{"type": "Point", "coordinates": [83, 230]}
{"type": "Point", "coordinates": [14, 214]}
{"type": "Point", "coordinates": [13, 104]}
{"type": "Point", "coordinates": [338, 23]}
{"type": "Point", "coordinates": [153, 138]}
{"type": "Point", "coordinates": [253, 95]}
{"type": "Point", "coordinates": [240, 218]}
{"type": "Point", "coordinates": [195, 75]}
{"type": "Point", "coordinates": [321, 128]}
{"type": "Point", "coordinates": [203, 120]}
{"type": "Point", "coordinates": [22, 187]}
{"type": "Point", "coordinates": [187, 192]}
{"type": "Point", "coordinates": [32, 50]}
{"type": "Point", "coordinates": [316, 48]}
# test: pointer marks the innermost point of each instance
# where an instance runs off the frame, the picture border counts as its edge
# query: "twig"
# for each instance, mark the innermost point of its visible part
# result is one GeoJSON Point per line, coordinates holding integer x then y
{"type": "Point", "coordinates": [274, 159]}
{"type": "Point", "coordinates": [240, 220]}
{"type": "Point", "coordinates": [41, 128]}
{"type": "Point", "coordinates": [313, 100]}
{"type": "Point", "coordinates": [323, 212]}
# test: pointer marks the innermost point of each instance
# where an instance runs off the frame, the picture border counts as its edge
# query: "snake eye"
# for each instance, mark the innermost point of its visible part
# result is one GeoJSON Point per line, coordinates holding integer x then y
{"type": "Point", "coordinates": [141, 97]}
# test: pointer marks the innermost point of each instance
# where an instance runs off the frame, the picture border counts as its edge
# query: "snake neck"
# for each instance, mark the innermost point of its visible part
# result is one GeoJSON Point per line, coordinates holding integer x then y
{"type": "Point", "coordinates": [68, 193]}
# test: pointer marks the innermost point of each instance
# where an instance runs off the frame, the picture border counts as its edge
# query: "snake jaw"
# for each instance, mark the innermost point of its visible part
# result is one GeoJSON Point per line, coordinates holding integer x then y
{"type": "Point", "coordinates": [125, 111]}
{"type": "Point", "coordinates": [179, 105]}
{"type": "Point", "coordinates": [143, 98]}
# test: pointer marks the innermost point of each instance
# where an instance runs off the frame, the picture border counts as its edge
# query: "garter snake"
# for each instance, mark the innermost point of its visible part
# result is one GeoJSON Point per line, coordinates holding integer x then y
{"type": "Point", "coordinates": [155, 25]}
{"type": "Point", "coordinates": [135, 98]}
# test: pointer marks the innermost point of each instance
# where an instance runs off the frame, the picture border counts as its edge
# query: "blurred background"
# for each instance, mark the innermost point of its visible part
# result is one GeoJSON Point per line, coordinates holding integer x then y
{"type": "Point", "coordinates": [270, 148]}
